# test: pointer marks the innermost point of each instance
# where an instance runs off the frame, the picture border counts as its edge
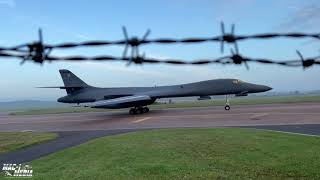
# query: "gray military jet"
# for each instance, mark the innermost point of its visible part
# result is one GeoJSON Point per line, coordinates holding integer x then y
{"type": "Point", "coordinates": [137, 98]}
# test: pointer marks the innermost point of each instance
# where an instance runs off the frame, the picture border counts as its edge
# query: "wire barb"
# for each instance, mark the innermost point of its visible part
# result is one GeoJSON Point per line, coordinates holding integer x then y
{"type": "Point", "coordinates": [237, 58]}
{"type": "Point", "coordinates": [306, 63]}
{"type": "Point", "coordinates": [36, 51]}
{"type": "Point", "coordinates": [227, 37]}
{"type": "Point", "coordinates": [133, 42]}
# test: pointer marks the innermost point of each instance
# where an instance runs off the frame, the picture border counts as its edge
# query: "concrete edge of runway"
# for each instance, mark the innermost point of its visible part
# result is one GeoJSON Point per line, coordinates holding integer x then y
{"type": "Point", "coordinates": [68, 139]}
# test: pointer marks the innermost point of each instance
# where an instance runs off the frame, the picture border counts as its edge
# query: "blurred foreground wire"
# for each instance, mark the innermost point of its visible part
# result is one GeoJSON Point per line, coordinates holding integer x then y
{"type": "Point", "coordinates": [39, 52]}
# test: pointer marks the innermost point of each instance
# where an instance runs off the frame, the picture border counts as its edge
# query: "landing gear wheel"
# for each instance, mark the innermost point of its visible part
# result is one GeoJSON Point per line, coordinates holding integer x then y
{"type": "Point", "coordinates": [145, 110]}
{"type": "Point", "coordinates": [227, 107]}
{"type": "Point", "coordinates": [132, 111]}
{"type": "Point", "coordinates": [139, 110]}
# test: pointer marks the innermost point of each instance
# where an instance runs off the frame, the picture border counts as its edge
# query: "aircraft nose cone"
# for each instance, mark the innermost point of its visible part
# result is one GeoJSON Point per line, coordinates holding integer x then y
{"type": "Point", "coordinates": [266, 88]}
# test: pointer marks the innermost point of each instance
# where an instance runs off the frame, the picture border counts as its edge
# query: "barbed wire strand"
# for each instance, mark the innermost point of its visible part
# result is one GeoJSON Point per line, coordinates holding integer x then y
{"type": "Point", "coordinates": [39, 52]}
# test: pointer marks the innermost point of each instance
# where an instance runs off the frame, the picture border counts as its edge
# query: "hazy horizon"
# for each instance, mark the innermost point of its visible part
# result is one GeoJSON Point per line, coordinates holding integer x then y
{"type": "Point", "coordinates": [174, 18]}
{"type": "Point", "coordinates": [270, 93]}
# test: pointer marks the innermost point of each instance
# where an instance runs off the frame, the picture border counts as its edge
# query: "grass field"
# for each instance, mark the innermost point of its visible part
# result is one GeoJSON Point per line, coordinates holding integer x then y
{"type": "Point", "coordinates": [11, 141]}
{"type": "Point", "coordinates": [206, 103]}
{"type": "Point", "coordinates": [225, 153]}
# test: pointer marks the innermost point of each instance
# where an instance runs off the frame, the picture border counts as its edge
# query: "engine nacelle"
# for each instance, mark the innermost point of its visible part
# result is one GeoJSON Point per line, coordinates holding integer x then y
{"type": "Point", "coordinates": [204, 98]}
{"type": "Point", "coordinates": [241, 94]}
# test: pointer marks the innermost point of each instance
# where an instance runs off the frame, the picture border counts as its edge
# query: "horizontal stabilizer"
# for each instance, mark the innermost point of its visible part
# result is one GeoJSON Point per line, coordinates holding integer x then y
{"type": "Point", "coordinates": [61, 87]}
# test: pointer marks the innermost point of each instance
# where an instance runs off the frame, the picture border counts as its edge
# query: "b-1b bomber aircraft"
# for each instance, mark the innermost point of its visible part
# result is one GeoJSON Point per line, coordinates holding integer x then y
{"type": "Point", "coordinates": [137, 98]}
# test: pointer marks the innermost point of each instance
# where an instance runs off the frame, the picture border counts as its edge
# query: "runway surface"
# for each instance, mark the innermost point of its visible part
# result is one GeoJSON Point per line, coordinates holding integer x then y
{"type": "Point", "coordinates": [77, 128]}
{"type": "Point", "coordinates": [249, 115]}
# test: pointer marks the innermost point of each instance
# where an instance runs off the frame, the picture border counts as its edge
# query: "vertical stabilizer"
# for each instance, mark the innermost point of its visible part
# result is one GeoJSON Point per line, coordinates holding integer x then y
{"type": "Point", "coordinates": [71, 82]}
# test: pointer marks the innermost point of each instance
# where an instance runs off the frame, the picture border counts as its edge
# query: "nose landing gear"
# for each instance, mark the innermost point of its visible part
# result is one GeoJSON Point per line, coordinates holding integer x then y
{"type": "Point", "coordinates": [138, 110]}
{"type": "Point", "coordinates": [227, 106]}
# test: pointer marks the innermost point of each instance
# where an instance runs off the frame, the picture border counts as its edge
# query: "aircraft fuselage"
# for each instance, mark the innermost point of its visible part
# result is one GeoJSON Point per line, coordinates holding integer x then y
{"type": "Point", "coordinates": [202, 88]}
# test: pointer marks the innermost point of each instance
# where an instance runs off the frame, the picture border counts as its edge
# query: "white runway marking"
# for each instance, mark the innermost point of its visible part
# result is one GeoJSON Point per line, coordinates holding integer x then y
{"type": "Point", "coordinates": [258, 116]}
{"type": "Point", "coordinates": [27, 130]}
{"type": "Point", "coordinates": [287, 132]}
{"type": "Point", "coordinates": [141, 120]}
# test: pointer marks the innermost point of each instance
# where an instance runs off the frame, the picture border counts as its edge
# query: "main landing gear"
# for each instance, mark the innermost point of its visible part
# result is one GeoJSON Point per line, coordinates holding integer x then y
{"type": "Point", "coordinates": [138, 110]}
{"type": "Point", "coordinates": [227, 106]}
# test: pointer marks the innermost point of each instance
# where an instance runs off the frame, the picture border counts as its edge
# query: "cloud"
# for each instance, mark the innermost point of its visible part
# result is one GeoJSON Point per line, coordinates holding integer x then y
{"type": "Point", "coordinates": [306, 17]}
{"type": "Point", "coordinates": [119, 68]}
{"type": "Point", "coordinates": [226, 10]}
{"type": "Point", "coordinates": [82, 36]}
{"type": "Point", "coordinates": [10, 3]}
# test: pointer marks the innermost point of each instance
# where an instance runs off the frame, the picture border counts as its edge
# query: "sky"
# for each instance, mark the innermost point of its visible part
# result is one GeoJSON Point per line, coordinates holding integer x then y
{"type": "Point", "coordinates": [77, 21]}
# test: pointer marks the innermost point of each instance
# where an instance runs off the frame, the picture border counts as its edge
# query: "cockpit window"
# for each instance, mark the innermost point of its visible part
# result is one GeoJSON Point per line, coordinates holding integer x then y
{"type": "Point", "coordinates": [237, 81]}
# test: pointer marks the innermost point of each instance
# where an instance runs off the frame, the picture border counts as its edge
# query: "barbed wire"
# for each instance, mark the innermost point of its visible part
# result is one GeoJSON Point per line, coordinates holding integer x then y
{"type": "Point", "coordinates": [39, 52]}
